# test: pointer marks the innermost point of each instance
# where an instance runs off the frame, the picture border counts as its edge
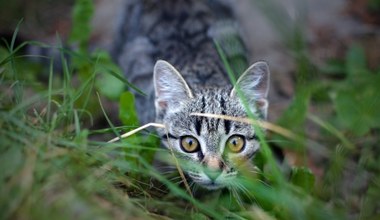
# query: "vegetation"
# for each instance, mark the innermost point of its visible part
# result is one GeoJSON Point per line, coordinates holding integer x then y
{"type": "Point", "coordinates": [55, 166]}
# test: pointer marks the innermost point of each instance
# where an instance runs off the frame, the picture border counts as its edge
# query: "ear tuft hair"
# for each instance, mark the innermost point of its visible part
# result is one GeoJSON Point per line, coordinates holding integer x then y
{"type": "Point", "coordinates": [170, 87]}
{"type": "Point", "coordinates": [254, 85]}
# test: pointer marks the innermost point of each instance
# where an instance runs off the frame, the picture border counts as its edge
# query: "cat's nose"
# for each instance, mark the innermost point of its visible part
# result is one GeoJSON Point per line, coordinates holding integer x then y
{"type": "Point", "coordinates": [213, 166]}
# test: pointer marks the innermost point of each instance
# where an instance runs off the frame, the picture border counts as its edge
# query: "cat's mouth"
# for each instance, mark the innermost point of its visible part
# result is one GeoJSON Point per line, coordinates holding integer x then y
{"type": "Point", "coordinates": [210, 184]}
{"type": "Point", "coordinates": [207, 182]}
{"type": "Point", "coordinates": [213, 186]}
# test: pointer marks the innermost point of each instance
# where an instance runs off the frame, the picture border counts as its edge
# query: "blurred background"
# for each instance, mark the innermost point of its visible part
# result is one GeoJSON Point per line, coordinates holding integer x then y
{"type": "Point", "coordinates": [327, 28]}
{"type": "Point", "coordinates": [324, 58]}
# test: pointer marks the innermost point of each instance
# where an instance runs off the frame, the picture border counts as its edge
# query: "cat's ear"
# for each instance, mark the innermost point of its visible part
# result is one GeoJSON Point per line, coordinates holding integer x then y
{"type": "Point", "coordinates": [170, 87]}
{"type": "Point", "coordinates": [254, 85]}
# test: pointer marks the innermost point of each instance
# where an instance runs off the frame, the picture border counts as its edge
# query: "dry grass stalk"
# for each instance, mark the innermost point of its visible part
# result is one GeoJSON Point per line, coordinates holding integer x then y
{"type": "Point", "coordinates": [263, 124]}
{"type": "Point", "coordinates": [157, 125]}
{"type": "Point", "coordinates": [134, 131]}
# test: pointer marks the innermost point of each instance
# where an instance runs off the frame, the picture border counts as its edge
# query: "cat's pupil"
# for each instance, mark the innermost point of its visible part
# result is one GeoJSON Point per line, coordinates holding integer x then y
{"type": "Point", "coordinates": [189, 144]}
{"type": "Point", "coordinates": [235, 143]}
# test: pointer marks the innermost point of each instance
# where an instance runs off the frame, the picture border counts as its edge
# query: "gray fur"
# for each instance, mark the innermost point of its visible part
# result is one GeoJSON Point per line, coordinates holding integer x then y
{"type": "Point", "coordinates": [211, 133]}
{"type": "Point", "coordinates": [175, 38]}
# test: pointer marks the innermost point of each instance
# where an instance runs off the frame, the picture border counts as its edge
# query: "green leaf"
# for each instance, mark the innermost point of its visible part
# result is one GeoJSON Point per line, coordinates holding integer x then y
{"type": "Point", "coordinates": [358, 103]}
{"type": "Point", "coordinates": [117, 75]}
{"type": "Point", "coordinates": [303, 177]}
{"type": "Point", "coordinates": [127, 112]}
{"type": "Point", "coordinates": [111, 82]}
{"type": "Point", "coordinates": [109, 86]}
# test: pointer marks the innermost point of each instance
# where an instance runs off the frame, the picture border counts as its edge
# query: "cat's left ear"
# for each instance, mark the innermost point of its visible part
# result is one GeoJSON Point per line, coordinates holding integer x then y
{"type": "Point", "coordinates": [254, 85]}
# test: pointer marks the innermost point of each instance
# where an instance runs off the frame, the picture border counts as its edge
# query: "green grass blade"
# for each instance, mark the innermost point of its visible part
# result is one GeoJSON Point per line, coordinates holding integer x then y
{"type": "Point", "coordinates": [15, 35]}
{"type": "Point", "coordinates": [277, 175]}
{"type": "Point", "coordinates": [330, 128]}
{"type": "Point", "coordinates": [49, 93]}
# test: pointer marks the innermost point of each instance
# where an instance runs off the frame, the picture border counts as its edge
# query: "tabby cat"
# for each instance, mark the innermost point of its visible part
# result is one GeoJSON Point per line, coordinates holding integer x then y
{"type": "Point", "coordinates": [175, 39]}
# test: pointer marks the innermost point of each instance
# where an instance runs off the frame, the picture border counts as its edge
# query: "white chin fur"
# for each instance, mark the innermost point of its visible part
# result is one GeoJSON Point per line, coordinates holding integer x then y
{"type": "Point", "coordinates": [209, 184]}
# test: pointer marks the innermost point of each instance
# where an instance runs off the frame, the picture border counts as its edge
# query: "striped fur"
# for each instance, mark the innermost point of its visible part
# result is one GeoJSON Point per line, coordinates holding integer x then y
{"type": "Point", "coordinates": [211, 133]}
{"type": "Point", "coordinates": [192, 79]}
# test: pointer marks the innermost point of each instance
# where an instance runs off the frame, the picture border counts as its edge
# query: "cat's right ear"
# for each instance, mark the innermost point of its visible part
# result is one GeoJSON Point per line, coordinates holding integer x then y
{"type": "Point", "coordinates": [254, 85]}
{"type": "Point", "coordinates": [170, 87]}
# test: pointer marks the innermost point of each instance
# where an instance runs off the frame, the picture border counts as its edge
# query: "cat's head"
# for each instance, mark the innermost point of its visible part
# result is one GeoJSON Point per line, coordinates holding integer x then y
{"type": "Point", "coordinates": [213, 149]}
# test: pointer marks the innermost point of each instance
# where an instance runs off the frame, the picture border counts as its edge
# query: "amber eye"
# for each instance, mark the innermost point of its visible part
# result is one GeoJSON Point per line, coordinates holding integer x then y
{"type": "Point", "coordinates": [235, 143]}
{"type": "Point", "coordinates": [189, 144]}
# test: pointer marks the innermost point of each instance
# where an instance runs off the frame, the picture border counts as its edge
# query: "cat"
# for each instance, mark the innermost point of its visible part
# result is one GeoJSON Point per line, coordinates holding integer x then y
{"type": "Point", "coordinates": [174, 40]}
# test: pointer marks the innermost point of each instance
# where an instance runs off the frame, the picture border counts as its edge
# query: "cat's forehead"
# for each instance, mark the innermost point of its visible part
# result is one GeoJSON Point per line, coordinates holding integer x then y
{"type": "Point", "coordinates": [214, 101]}
{"type": "Point", "coordinates": [210, 100]}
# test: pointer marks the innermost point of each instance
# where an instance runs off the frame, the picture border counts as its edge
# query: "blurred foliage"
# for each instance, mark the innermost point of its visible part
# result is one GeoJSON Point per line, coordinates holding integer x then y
{"type": "Point", "coordinates": [374, 5]}
{"type": "Point", "coordinates": [82, 14]}
{"type": "Point", "coordinates": [53, 167]}
{"type": "Point", "coordinates": [42, 17]}
{"type": "Point", "coordinates": [303, 177]}
{"type": "Point", "coordinates": [357, 96]}
{"type": "Point", "coordinates": [109, 84]}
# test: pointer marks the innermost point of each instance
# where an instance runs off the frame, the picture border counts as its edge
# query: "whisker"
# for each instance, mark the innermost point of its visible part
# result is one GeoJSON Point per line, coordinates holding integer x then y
{"type": "Point", "coordinates": [168, 172]}
{"type": "Point", "coordinates": [175, 178]}
{"type": "Point", "coordinates": [178, 182]}
{"type": "Point", "coordinates": [245, 191]}
{"type": "Point", "coordinates": [259, 180]}
{"type": "Point", "coordinates": [265, 183]}
{"type": "Point", "coordinates": [195, 188]}
{"type": "Point", "coordinates": [237, 196]}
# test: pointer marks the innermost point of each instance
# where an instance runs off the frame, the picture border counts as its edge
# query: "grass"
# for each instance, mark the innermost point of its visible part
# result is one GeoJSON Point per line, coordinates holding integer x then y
{"type": "Point", "coordinates": [55, 165]}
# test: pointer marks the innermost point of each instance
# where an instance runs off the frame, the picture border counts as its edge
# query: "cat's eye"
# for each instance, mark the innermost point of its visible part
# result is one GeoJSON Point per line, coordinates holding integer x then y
{"type": "Point", "coordinates": [235, 143]}
{"type": "Point", "coordinates": [189, 144]}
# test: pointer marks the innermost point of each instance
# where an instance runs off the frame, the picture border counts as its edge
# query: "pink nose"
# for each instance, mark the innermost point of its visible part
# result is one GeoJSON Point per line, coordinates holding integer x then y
{"type": "Point", "coordinates": [214, 166]}
{"type": "Point", "coordinates": [214, 163]}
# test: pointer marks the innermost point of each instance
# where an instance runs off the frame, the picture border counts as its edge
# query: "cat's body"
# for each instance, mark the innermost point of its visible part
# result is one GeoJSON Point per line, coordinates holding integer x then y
{"type": "Point", "coordinates": [175, 31]}
{"type": "Point", "coordinates": [192, 79]}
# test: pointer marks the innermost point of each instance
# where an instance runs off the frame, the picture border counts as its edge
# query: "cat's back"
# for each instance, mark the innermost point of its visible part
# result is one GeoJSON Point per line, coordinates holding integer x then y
{"type": "Point", "coordinates": [178, 31]}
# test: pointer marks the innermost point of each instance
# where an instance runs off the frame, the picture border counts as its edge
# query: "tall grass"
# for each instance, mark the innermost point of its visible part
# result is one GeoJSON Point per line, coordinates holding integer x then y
{"type": "Point", "coordinates": [55, 166]}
